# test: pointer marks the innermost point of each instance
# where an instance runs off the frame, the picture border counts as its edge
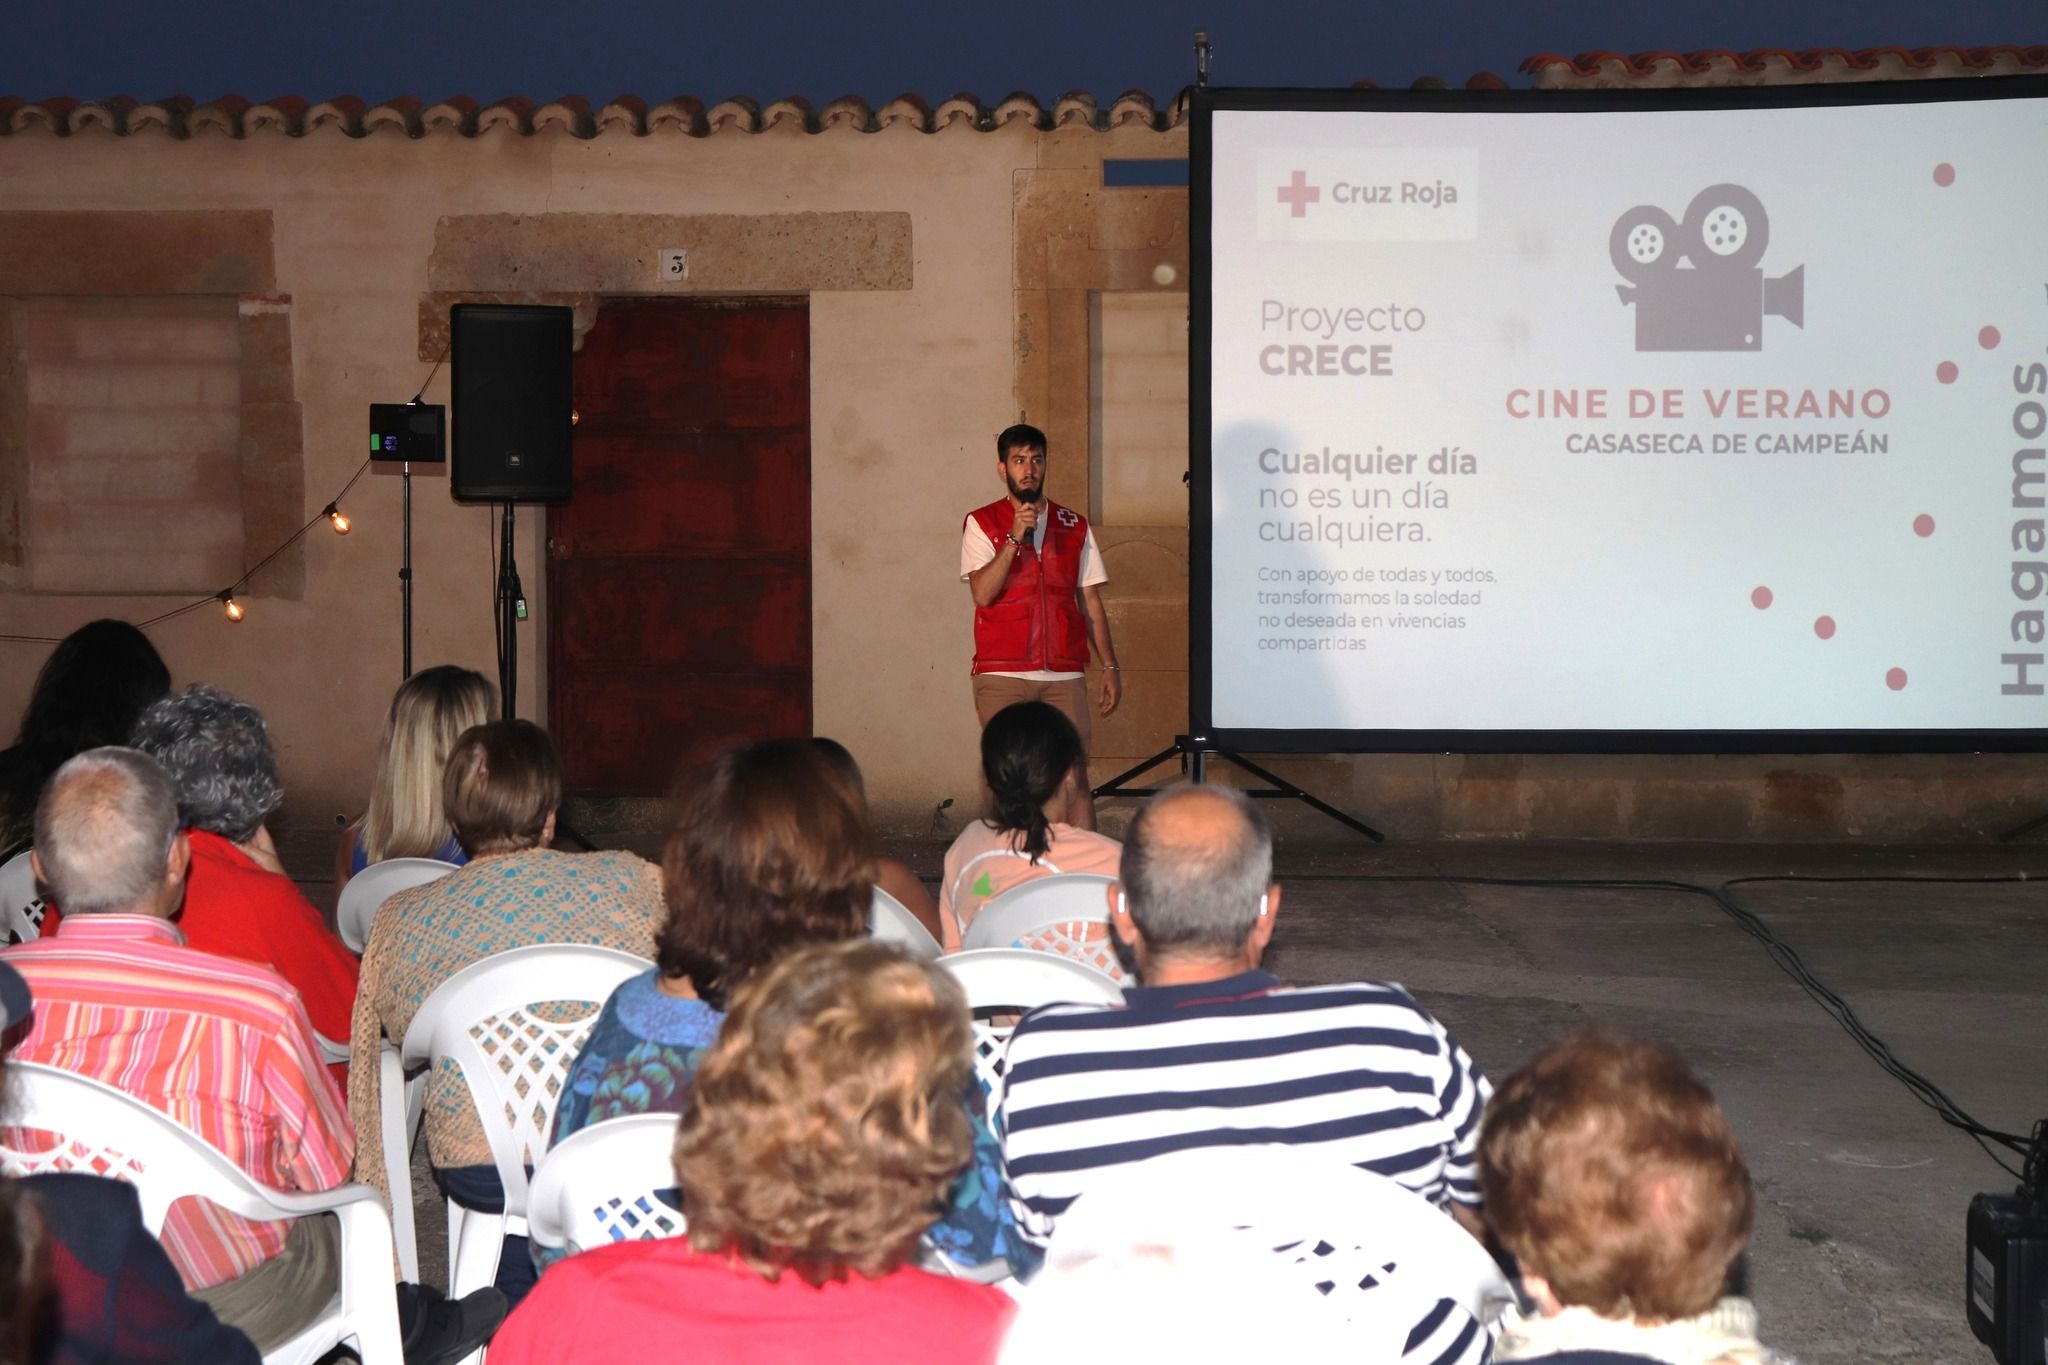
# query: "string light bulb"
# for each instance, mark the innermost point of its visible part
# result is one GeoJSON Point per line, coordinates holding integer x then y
{"type": "Point", "coordinates": [229, 604]}
{"type": "Point", "coordinates": [338, 517]}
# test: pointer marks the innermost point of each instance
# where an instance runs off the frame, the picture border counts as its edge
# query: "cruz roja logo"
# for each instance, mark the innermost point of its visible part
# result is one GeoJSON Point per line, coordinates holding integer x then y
{"type": "Point", "coordinates": [1297, 193]}
{"type": "Point", "coordinates": [1718, 300]}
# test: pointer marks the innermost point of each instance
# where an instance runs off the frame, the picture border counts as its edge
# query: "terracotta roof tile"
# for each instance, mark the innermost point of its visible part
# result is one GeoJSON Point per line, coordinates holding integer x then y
{"type": "Point", "coordinates": [293, 116]}
{"type": "Point", "coordinates": [1780, 65]}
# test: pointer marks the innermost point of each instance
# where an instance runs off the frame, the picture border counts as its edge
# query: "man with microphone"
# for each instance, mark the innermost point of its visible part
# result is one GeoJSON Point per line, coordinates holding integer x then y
{"type": "Point", "coordinates": [1036, 576]}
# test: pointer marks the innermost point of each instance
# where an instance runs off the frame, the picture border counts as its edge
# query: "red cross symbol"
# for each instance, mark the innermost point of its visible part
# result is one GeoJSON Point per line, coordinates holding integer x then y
{"type": "Point", "coordinates": [1298, 194]}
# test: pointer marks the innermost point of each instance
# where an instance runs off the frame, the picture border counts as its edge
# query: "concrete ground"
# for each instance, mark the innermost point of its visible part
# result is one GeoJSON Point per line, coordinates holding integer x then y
{"type": "Point", "coordinates": [1858, 1252]}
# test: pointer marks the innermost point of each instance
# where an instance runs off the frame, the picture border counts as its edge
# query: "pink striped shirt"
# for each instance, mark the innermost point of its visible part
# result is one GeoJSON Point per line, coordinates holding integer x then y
{"type": "Point", "coordinates": [224, 1047]}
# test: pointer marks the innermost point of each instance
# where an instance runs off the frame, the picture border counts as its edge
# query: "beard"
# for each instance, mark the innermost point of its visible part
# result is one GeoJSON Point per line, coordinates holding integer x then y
{"type": "Point", "coordinates": [1024, 495]}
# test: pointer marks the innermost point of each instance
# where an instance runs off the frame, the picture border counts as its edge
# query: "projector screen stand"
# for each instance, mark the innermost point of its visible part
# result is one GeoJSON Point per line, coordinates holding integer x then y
{"type": "Point", "coordinates": [1194, 754]}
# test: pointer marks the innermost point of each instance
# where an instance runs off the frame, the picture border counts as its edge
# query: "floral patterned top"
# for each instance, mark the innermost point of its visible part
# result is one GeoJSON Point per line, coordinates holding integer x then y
{"type": "Point", "coordinates": [642, 1055]}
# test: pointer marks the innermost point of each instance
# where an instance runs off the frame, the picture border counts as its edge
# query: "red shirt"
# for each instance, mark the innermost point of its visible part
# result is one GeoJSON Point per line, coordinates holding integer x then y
{"type": "Point", "coordinates": [605, 1306]}
{"type": "Point", "coordinates": [237, 909]}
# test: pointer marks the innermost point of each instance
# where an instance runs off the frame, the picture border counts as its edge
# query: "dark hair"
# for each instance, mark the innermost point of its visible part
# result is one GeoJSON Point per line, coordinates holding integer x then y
{"type": "Point", "coordinates": [503, 781]}
{"type": "Point", "coordinates": [845, 770]}
{"type": "Point", "coordinates": [1609, 1170]}
{"type": "Point", "coordinates": [89, 692]}
{"type": "Point", "coordinates": [217, 751]}
{"type": "Point", "coordinates": [1026, 753]}
{"type": "Point", "coordinates": [1021, 434]}
{"type": "Point", "coordinates": [25, 1291]}
{"type": "Point", "coordinates": [768, 853]}
{"type": "Point", "coordinates": [26, 1294]}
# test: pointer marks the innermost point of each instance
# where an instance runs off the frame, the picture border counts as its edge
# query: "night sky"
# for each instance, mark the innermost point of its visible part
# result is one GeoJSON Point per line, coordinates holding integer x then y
{"type": "Point", "coordinates": [489, 49]}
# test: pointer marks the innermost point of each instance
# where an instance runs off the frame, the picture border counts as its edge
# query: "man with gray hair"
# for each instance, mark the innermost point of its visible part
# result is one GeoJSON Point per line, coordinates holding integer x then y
{"type": "Point", "coordinates": [222, 1047]}
{"type": "Point", "coordinates": [1211, 1051]}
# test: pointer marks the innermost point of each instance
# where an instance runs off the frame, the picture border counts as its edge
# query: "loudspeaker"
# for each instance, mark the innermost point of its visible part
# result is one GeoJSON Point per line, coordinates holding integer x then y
{"type": "Point", "coordinates": [512, 382]}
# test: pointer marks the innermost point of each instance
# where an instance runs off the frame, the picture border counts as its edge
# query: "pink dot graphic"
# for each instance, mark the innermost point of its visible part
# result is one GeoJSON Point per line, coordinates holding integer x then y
{"type": "Point", "coordinates": [1760, 599]}
{"type": "Point", "coordinates": [1824, 626]}
{"type": "Point", "coordinates": [1946, 372]}
{"type": "Point", "coordinates": [1944, 175]}
{"type": "Point", "coordinates": [1895, 679]}
{"type": "Point", "coordinates": [1987, 337]}
{"type": "Point", "coordinates": [1923, 526]}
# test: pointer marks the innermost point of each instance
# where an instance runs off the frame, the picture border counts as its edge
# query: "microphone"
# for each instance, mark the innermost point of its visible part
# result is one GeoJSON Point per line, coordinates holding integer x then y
{"type": "Point", "coordinates": [1036, 540]}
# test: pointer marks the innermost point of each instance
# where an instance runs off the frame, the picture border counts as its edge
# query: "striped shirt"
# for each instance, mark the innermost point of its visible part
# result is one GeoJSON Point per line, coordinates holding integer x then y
{"type": "Point", "coordinates": [222, 1047]}
{"type": "Point", "coordinates": [1358, 1073]}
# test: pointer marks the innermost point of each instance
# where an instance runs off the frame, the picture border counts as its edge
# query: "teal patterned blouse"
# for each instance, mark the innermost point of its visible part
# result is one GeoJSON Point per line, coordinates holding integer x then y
{"type": "Point", "coordinates": [644, 1051]}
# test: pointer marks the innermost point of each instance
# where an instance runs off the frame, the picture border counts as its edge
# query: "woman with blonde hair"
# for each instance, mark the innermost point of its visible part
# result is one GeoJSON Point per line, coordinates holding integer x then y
{"type": "Point", "coordinates": [405, 819]}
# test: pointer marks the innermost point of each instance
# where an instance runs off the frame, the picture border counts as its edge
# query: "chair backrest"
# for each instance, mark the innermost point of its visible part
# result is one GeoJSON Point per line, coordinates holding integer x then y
{"type": "Point", "coordinates": [605, 1184]}
{"type": "Point", "coordinates": [1002, 983]}
{"type": "Point", "coordinates": [21, 906]}
{"type": "Point", "coordinates": [1063, 913]}
{"type": "Point", "coordinates": [374, 885]}
{"type": "Point", "coordinates": [891, 922]}
{"type": "Point", "coordinates": [104, 1132]}
{"type": "Point", "coordinates": [1334, 1228]}
{"type": "Point", "coordinates": [515, 1061]}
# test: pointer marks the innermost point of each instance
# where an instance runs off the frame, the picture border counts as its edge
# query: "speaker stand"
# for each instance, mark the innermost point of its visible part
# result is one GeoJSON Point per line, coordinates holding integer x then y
{"type": "Point", "coordinates": [511, 607]}
{"type": "Point", "coordinates": [405, 576]}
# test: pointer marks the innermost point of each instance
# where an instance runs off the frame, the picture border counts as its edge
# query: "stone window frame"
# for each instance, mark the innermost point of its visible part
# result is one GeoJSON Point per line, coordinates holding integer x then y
{"type": "Point", "coordinates": [163, 254]}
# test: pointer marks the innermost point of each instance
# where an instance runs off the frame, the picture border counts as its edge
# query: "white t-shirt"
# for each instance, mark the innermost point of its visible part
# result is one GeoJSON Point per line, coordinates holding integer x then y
{"type": "Point", "coordinates": [976, 550]}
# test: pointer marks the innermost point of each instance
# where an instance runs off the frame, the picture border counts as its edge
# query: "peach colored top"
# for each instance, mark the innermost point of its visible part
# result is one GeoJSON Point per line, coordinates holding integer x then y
{"type": "Point", "coordinates": [985, 862]}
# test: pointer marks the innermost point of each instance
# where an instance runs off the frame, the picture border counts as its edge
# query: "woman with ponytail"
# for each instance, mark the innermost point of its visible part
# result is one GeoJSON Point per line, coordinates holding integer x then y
{"type": "Point", "coordinates": [1039, 810]}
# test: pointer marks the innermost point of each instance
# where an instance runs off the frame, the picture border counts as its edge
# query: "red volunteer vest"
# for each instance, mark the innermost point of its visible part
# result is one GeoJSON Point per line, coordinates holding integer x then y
{"type": "Point", "coordinates": [1035, 622]}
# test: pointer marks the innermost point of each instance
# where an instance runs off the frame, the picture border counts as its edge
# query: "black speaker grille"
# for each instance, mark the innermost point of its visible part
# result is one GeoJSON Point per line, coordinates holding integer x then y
{"type": "Point", "coordinates": [513, 381]}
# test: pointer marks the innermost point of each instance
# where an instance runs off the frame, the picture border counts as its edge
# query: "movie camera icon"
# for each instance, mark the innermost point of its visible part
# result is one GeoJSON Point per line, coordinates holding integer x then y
{"type": "Point", "coordinates": [1719, 301]}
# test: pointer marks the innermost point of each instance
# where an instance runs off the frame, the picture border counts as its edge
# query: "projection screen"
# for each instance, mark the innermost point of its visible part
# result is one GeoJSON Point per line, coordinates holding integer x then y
{"type": "Point", "coordinates": [1548, 422]}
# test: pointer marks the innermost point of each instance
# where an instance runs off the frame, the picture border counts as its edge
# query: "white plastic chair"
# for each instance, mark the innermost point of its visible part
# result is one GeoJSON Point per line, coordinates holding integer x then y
{"type": "Point", "coordinates": [1002, 983]}
{"type": "Point", "coordinates": [1064, 913]}
{"type": "Point", "coordinates": [891, 922]}
{"type": "Point", "coordinates": [1331, 1228]}
{"type": "Point", "coordinates": [604, 1184]}
{"type": "Point", "coordinates": [375, 884]}
{"type": "Point", "coordinates": [516, 1065]}
{"type": "Point", "coordinates": [111, 1134]}
{"type": "Point", "coordinates": [21, 906]}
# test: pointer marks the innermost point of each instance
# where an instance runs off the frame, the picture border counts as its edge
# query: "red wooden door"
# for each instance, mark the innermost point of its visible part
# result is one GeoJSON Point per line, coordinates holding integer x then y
{"type": "Point", "coordinates": [679, 575]}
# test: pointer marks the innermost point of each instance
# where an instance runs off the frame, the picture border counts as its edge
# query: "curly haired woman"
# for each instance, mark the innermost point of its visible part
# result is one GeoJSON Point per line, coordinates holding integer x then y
{"type": "Point", "coordinates": [827, 1129]}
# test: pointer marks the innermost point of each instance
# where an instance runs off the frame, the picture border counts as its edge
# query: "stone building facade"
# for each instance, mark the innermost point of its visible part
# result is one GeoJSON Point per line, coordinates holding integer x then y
{"type": "Point", "coordinates": [198, 302]}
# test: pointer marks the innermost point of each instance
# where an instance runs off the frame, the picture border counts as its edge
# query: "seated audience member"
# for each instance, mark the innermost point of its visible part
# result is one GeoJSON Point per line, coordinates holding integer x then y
{"type": "Point", "coordinates": [85, 1282]}
{"type": "Point", "coordinates": [238, 901]}
{"type": "Point", "coordinates": [1211, 1050]}
{"type": "Point", "coordinates": [769, 853]}
{"type": "Point", "coordinates": [223, 1047]}
{"type": "Point", "coordinates": [891, 875]}
{"type": "Point", "coordinates": [1037, 777]}
{"type": "Point", "coordinates": [1614, 1178]}
{"type": "Point", "coordinates": [428, 714]}
{"type": "Point", "coordinates": [501, 789]}
{"type": "Point", "coordinates": [88, 693]}
{"type": "Point", "coordinates": [766, 855]}
{"type": "Point", "coordinates": [826, 1129]}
